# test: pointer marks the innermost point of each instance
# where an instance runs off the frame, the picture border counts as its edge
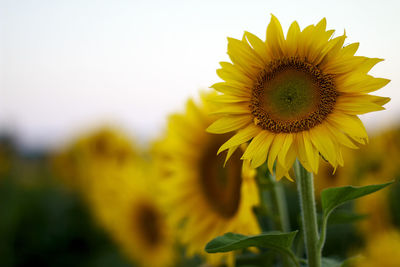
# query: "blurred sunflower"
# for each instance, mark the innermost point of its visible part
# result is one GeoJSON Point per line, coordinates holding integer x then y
{"type": "Point", "coordinates": [206, 198]}
{"type": "Point", "coordinates": [145, 232]}
{"type": "Point", "coordinates": [125, 200]}
{"type": "Point", "coordinates": [376, 207]}
{"type": "Point", "coordinates": [161, 159]}
{"type": "Point", "coordinates": [121, 191]}
{"type": "Point", "coordinates": [295, 97]}
{"type": "Point", "coordinates": [380, 159]}
{"type": "Point", "coordinates": [378, 162]}
{"type": "Point", "coordinates": [65, 165]}
{"type": "Point", "coordinates": [103, 147]}
{"type": "Point", "coordinates": [382, 250]}
{"type": "Point", "coordinates": [106, 145]}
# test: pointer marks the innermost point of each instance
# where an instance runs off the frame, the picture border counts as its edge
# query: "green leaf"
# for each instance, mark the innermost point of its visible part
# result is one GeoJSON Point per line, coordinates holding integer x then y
{"type": "Point", "coordinates": [333, 197]}
{"type": "Point", "coordinates": [231, 241]}
{"type": "Point", "coordinates": [343, 217]}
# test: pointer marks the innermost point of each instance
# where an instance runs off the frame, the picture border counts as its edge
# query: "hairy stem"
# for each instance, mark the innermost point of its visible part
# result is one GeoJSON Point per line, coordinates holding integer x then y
{"type": "Point", "coordinates": [279, 205]}
{"type": "Point", "coordinates": [305, 187]}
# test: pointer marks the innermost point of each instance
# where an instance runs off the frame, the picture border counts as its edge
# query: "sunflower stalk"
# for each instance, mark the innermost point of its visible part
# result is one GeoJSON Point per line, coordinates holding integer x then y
{"type": "Point", "coordinates": [277, 204]}
{"type": "Point", "coordinates": [305, 188]}
{"type": "Point", "coordinates": [279, 213]}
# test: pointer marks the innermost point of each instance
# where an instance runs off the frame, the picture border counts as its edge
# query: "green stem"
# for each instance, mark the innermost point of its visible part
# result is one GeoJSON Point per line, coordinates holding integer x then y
{"type": "Point", "coordinates": [305, 187]}
{"type": "Point", "coordinates": [279, 205]}
{"type": "Point", "coordinates": [290, 255]}
{"type": "Point", "coordinates": [323, 233]}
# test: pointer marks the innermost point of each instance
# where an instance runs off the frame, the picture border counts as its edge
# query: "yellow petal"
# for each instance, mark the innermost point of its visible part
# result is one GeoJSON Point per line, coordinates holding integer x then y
{"type": "Point", "coordinates": [316, 41]}
{"type": "Point", "coordinates": [301, 152]}
{"type": "Point", "coordinates": [292, 38]}
{"type": "Point", "coordinates": [320, 47]}
{"type": "Point", "coordinates": [360, 83]}
{"type": "Point", "coordinates": [229, 123]}
{"type": "Point", "coordinates": [232, 109]}
{"type": "Point", "coordinates": [321, 26]}
{"type": "Point", "coordinates": [284, 149]}
{"type": "Point", "coordinates": [290, 157]}
{"type": "Point", "coordinates": [229, 74]}
{"type": "Point", "coordinates": [341, 137]}
{"type": "Point", "coordinates": [236, 70]}
{"type": "Point", "coordinates": [349, 124]}
{"type": "Point", "coordinates": [257, 151]}
{"type": "Point", "coordinates": [193, 111]}
{"type": "Point", "coordinates": [232, 89]}
{"type": "Point", "coordinates": [360, 104]}
{"type": "Point", "coordinates": [231, 150]}
{"type": "Point", "coordinates": [227, 98]}
{"type": "Point", "coordinates": [275, 39]}
{"type": "Point", "coordinates": [241, 53]}
{"type": "Point", "coordinates": [331, 50]}
{"type": "Point", "coordinates": [259, 46]}
{"type": "Point", "coordinates": [351, 49]}
{"type": "Point", "coordinates": [311, 152]}
{"type": "Point", "coordinates": [281, 171]}
{"type": "Point", "coordinates": [379, 100]}
{"type": "Point", "coordinates": [242, 136]}
{"type": "Point", "coordinates": [274, 150]}
{"type": "Point", "coordinates": [368, 64]}
{"type": "Point", "coordinates": [320, 138]}
{"type": "Point", "coordinates": [344, 65]}
{"type": "Point", "coordinates": [339, 156]}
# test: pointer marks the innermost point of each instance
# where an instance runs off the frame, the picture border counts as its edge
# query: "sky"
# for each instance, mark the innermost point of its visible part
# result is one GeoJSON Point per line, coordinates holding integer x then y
{"type": "Point", "coordinates": [69, 66]}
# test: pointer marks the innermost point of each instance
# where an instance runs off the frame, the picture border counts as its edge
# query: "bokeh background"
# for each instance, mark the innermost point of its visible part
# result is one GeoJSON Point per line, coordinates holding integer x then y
{"type": "Point", "coordinates": [70, 67]}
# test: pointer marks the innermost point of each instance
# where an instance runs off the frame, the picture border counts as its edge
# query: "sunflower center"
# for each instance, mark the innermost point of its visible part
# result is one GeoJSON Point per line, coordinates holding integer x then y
{"type": "Point", "coordinates": [148, 221]}
{"type": "Point", "coordinates": [221, 185]}
{"type": "Point", "coordinates": [291, 95]}
{"type": "Point", "coordinates": [101, 145]}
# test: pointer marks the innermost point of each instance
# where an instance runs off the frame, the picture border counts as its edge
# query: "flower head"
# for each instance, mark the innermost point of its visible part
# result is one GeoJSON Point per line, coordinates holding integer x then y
{"type": "Point", "coordinates": [205, 198]}
{"type": "Point", "coordinates": [295, 97]}
{"type": "Point", "coordinates": [96, 150]}
{"type": "Point", "coordinates": [381, 250]}
{"type": "Point", "coordinates": [121, 190]}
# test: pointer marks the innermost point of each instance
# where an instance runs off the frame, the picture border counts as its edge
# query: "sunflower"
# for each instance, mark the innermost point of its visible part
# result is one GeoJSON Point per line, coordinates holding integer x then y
{"type": "Point", "coordinates": [121, 191]}
{"type": "Point", "coordinates": [380, 159]}
{"type": "Point", "coordinates": [206, 199]}
{"type": "Point", "coordinates": [295, 97]}
{"type": "Point", "coordinates": [106, 145]}
{"type": "Point", "coordinates": [378, 162]}
{"type": "Point", "coordinates": [103, 147]}
{"type": "Point", "coordinates": [125, 201]}
{"type": "Point", "coordinates": [376, 207]}
{"type": "Point", "coordinates": [382, 250]}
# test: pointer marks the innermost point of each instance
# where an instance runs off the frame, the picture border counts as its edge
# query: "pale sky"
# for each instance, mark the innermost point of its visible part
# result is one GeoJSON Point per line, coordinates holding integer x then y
{"type": "Point", "coordinates": [69, 65]}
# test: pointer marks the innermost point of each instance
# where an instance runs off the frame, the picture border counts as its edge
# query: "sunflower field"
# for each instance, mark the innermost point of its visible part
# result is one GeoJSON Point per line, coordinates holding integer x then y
{"type": "Point", "coordinates": [270, 166]}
